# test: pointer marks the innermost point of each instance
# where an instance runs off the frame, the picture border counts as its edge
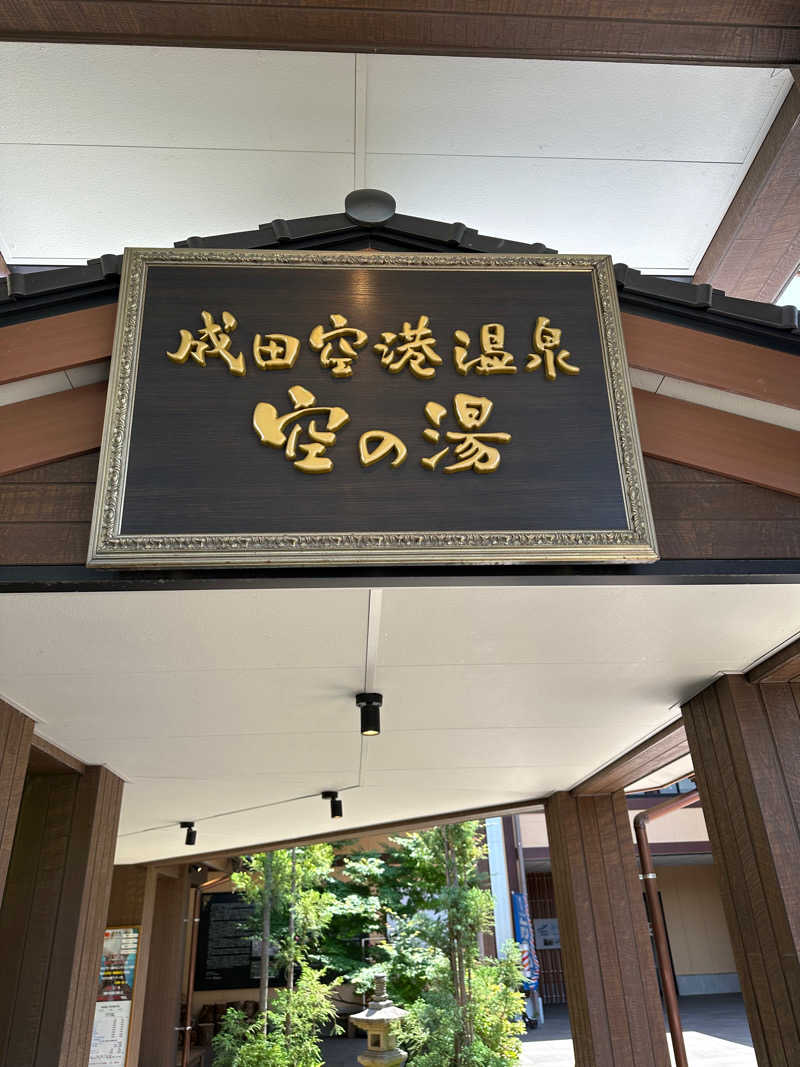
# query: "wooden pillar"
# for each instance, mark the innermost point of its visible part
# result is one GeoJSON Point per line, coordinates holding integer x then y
{"type": "Point", "coordinates": [745, 745]}
{"type": "Point", "coordinates": [53, 917]}
{"type": "Point", "coordinates": [16, 731]}
{"type": "Point", "coordinates": [132, 903]}
{"type": "Point", "coordinates": [162, 1005]}
{"type": "Point", "coordinates": [612, 993]}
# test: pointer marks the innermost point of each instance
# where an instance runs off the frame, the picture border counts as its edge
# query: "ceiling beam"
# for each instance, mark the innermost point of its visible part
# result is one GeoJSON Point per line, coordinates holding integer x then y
{"type": "Point", "coordinates": [644, 759]}
{"type": "Point", "coordinates": [58, 342]}
{"type": "Point", "coordinates": [756, 248]}
{"type": "Point", "coordinates": [52, 427]}
{"type": "Point", "coordinates": [710, 359]}
{"type": "Point", "coordinates": [783, 666]}
{"type": "Point", "coordinates": [522, 807]}
{"type": "Point", "coordinates": [684, 31]}
{"type": "Point", "coordinates": [712, 440]}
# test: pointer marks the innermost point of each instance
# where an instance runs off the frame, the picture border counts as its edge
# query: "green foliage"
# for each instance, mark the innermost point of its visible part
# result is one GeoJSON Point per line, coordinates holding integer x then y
{"type": "Point", "coordinates": [312, 902]}
{"type": "Point", "coordinates": [414, 913]}
{"type": "Point", "coordinates": [433, 1033]}
{"type": "Point", "coordinates": [296, 1019]}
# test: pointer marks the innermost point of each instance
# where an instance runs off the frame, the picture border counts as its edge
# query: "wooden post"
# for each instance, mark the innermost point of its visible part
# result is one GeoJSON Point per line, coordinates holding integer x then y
{"type": "Point", "coordinates": [745, 745]}
{"type": "Point", "coordinates": [159, 1041]}
{"type": "Point", "coordinates": [612, 993]}
{"type": "Point", "coordinates": [16, 731]}
{"type": "Point", "coordinates": [53, 917]}
{"type": "Point", "coordinates": [132, 903]}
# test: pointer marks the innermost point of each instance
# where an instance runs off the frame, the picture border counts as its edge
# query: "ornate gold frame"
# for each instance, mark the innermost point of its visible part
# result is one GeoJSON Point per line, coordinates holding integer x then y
{"type": "Point", "coordinates": [109, 548]}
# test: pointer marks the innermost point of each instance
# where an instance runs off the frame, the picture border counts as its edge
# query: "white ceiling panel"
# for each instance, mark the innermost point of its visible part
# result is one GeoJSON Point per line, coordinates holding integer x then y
{"type": "Point", "coordinates": [673, 772]}
{"type": "Point", "coordinates": [103, 147]}
{"type": "Point", "coordinates": [194, 630]}
{"type": "Point", "coordinates": [207, 98]}
{"type": "Point", "coordinates": [650, 214]}
{"type": "Point", "coordinates": [228, 706]}
{"type": "Point", "coordinates": [227, 756]}
{"type": "Point", "coordinates": [528, 694]}
{"type": "Point", "coordinates": [192, 703]}
{"type": "Point", "coordinates": [628, 624]}
{"type": "Point", "coordinates": [63, 201]}
{"type": "Point", "coordinates": [437, 105]}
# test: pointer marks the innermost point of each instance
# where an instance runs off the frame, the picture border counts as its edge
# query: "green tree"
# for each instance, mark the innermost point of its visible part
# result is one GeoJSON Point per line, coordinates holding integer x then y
{"type": "Point", "coordinates": [425, 891]}
{"type": "Point", "coordinates": [291, 910]}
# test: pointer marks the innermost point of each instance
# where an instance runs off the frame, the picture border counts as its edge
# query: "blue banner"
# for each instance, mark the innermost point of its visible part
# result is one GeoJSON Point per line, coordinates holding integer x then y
{"type": "Point", "coordinates": [523, 932]}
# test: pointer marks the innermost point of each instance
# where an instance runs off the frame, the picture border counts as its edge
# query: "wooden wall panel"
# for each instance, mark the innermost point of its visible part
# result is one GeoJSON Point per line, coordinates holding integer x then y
{"type": "Point", "coordinates": [703, 31]}
{"type": "Point", "coordinates": [745, 742]}
{"type": "Point", "coordinates": [612, 993]}
{"type": "Point", "coordinates": [159, 1040]}
{"type": "Point", "coordinates": [53, 917]}
{"type": "Point", "coordinates": [132, 903]}
{"type": "Point", "coordinates": [16, 731]}
{"type": "Point", "coordinates": [29, 912]}
{"type": "Point", "coordinates": [698, 515]}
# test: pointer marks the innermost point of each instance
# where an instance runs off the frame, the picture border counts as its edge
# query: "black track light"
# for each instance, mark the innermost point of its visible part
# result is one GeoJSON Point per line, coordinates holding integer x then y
{"type": "Point", "coordinates": [370, 704]}
{"type": "Point", "coordinates": [336, 805]}
{"type": "Point", "coordinates": [191, 833]}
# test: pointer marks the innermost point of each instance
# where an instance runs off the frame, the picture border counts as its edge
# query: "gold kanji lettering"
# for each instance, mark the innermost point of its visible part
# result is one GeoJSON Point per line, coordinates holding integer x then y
{"type": "Point", "coordinates": [413, 347]}
{"type": "Point", "coordinates": [492, 359]}
{"type": "Point", "coordinates": [384, 443]}
{"type": "Point", "coordinates": [273, 429]}
{"type": "Point", "coordinates": [474, 451]}
{"type": "Point", "coordinates": [275, 351]}
{"type": "Point", "coordinates": [546, 339]}
{"type": "Point", "coordinates": [338, 348]}
{"type": "Point", "coordinates": [212, 340]}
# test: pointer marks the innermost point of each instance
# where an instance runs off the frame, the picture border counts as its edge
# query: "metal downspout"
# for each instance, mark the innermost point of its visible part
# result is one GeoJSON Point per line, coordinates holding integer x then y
{"type": "Point", "coordinates": [648, 877]}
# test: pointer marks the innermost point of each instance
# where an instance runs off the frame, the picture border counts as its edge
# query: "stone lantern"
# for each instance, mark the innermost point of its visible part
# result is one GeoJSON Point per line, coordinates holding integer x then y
{"type": "Point", "coordinates": [377, 1020]}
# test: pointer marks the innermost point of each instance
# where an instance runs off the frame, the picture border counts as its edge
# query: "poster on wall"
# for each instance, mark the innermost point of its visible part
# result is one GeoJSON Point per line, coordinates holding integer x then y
{"type": "Point", "coordinates": [115, 988]}
{"type": "Point", "coordinates": [547, 933]}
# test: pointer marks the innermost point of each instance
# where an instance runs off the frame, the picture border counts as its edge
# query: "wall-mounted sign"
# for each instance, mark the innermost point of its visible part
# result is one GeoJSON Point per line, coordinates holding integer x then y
{"type": "Point", "coordinates": [115, 989]}
{"type": "Point", "coordinates": [228, 956]}
{"type": "Point", "coordinates": [547, 933]}
{"type": "Point", "coordinates": [288, 408]}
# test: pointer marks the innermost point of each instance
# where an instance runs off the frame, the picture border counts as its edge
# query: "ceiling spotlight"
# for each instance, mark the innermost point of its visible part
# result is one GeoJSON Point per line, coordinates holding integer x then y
{"type": "Point", "coordinates": [191, 833]}
{"type": "Point", "coordinates": [370, 704]}
{"type": "Point", "coordinates": [336, 805]}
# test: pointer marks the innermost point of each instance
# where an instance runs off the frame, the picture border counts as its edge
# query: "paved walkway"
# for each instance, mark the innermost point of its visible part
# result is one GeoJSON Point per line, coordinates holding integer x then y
{"type": "Point", "coordinates": [714, 1027]}
{"type": "Point", "coordinates": [715, 1030]}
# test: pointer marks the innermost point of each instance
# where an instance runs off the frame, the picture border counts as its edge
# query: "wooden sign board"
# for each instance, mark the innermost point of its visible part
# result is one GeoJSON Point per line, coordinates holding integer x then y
{"type": "Point", "coordinates": [324, 408]}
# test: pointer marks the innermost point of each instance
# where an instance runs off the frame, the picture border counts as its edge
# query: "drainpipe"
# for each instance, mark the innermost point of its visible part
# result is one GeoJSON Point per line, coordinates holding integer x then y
{"type": "Point", "coordinates": [648, 877]}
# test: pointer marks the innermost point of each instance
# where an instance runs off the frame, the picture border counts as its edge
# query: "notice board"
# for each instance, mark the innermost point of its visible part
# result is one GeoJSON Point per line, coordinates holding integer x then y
{"type": "Point", "coordinates": [115, 991]}
{"type": "Point", "coordinates": [311, 408]}
{"type": "Point", "coordinates": [228, 956]}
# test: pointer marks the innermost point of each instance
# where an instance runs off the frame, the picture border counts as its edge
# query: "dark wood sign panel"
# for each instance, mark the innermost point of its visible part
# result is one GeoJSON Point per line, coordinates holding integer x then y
{"type": "Point", "coordinates": [348, 408]}
{"type": "Point", "coordinates": [226, 958]}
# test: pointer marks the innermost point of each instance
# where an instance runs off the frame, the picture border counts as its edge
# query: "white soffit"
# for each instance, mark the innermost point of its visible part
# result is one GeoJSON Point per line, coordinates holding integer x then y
{"type": "Point", "coordinates": [106, 146]}
{"type": "Point", "coordinates": [673, 772]}
{"type": "Point", "coordinates": [222, 706]}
